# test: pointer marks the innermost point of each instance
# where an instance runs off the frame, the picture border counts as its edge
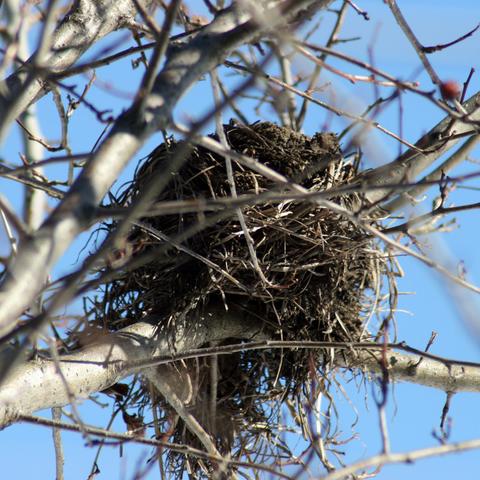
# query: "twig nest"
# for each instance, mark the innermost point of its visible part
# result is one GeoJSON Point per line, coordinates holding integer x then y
{"type": "Point", "coordinates": [299, 268]}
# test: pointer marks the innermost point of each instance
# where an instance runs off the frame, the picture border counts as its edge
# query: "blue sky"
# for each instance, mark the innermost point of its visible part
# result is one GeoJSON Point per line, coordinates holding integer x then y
{"type": "Point", "coordinates": [413, 411]}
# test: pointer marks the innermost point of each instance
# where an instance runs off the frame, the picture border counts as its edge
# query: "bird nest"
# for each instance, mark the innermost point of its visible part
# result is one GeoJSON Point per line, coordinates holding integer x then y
{"type": "Point", "coordinates": [303, 271]}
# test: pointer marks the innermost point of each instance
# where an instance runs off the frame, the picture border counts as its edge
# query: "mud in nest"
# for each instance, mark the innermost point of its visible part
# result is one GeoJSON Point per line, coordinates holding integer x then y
{"type": "Point", "coordinates": [301, 270]}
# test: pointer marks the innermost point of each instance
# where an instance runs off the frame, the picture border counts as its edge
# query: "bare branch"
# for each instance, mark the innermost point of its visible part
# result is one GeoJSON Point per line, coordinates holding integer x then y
{"type": "Point", "coordinates": [100, 365]}
{"type": "Point", "coordinates": [451, 162]}
{"type": "Point", "coordinates": [88, 22]}
{"type": "Point", "coordinates": [175, 447]}
{"type": "Point", "coordinates": [413, 40]}
{"type": "Point", "coordinates": [140, 347]}
{"type": "Point", "coordinates": [409, 457]}
{"type": "Point", "coordinates": [57, 443]}
{"type": "Point", "coordinates": [445, 135]}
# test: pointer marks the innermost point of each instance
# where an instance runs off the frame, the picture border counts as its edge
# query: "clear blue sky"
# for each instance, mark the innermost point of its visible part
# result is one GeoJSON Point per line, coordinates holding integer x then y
{"type": "Point", "coordinates": [413, 411]}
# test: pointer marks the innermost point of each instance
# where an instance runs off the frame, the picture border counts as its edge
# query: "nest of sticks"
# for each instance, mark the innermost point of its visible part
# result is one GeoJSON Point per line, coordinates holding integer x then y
{"type": "Point", "coordinates": [302, 270]}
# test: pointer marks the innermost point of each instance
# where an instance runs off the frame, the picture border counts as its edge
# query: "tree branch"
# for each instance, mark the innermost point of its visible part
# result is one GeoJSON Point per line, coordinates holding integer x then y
{"type": "Point", "coordinates": [407, 458]}
{"type": "Point", "coordinates": [37, 384]}
{"type": "Point", "coordinates": [88, 22]}
{"type": "Point", "coordinates": [445, 135]}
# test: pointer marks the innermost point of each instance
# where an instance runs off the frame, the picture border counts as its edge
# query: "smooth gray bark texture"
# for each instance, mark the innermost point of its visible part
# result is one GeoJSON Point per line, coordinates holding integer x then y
{"type": "Point", "coordinates": [441, 138]}
{"type": "Point", "coordinates": [37, 384]}
{"type": "Point", "coordinates": [88, 22]}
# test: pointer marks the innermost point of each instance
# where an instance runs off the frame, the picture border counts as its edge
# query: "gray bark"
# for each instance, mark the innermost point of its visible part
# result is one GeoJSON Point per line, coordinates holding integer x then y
{"type": "Point", "coordinates": [441, 138]}
{"type": "Point", "coordinates": [87, 23]}
{"type": "Point", "coordinates": [37, 384]}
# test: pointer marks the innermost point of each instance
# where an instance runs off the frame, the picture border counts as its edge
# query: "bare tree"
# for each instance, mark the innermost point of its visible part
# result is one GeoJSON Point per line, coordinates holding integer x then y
{"type": "Point", "coordinates": [234, 278]}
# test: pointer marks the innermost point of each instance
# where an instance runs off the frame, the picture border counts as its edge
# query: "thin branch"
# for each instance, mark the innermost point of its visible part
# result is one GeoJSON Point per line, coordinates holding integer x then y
{"type": "Point", "coordinates": [150, 21]}
{"type": "Point", "coordinates": [451, 162]}
{"type": "Point", "coordinates": [409, 86]}
{"type": "Point", "coordinates": [168, 386]}
{"type": "Point", "coordinates": [286, 105]}
{"type": "Point", "coordinates": [361, 12]}
{"type": "Point", "coordinates": [31, 182]}
{"type": "Point", "coordinates": [87, 22]}
{"type": "Point", "coordinates": [413, 40]}
{"type": "Point", "coordinates": [8, 230]}
{"type": "Point", "coordinates": [445, 135]}
{"type": "Point", "coordinates": [231, 182]}
{"type": "Point", "coordinates": [442, 46]}
{"type": "Point", "coordinates": [318, 66]}
{"type": "Point", "coordinates": [28, 167]}
{"type": "Point", "coordinates": [174, 447]}
{"type": "Point", "coordinates": [306, 96]}
{"type": "Point", "coordinates": [408, 458]}
{"type": "Point", "coordinates": [57, 443]}
{"type": "Point", "coordinates": [10, 216]}
{"type": "Point", "coordinates": [426, 217]}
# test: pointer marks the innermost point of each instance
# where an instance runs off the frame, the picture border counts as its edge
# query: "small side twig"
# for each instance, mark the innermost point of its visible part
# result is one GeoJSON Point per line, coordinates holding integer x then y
{"type": "Point", "coordinates": [57, 443]}
{"type": "Point", "coordinates": [442, 46]}
{"type": "Point", "coordinates": [361, 12]}
{"type": "Point", "coordinates": [413, 40]}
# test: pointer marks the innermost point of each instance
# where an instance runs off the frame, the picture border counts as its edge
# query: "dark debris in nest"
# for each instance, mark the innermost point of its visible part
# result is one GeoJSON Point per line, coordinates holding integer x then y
{"type": "Point", "coordinates": [314, 268]}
